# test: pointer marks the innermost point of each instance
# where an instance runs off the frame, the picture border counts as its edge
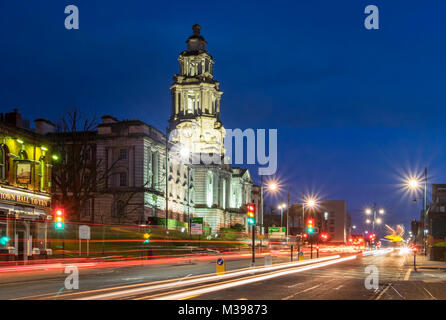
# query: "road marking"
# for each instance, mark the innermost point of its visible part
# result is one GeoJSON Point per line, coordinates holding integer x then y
{"type": "Point", "coordinates": [397, 291]}
{"type": "Point", "coordinates": [407, 275]}
{"type": "Point", "coordinates": [303, 291]}
{"type": "Point", "coordinates": [382, 292]}
{"type": "Point", "coordinates": [339, 287]}
{"type": "Point", "coordinates": [429, 293]}
{"type": "Point", "coordinates": [190, 297]}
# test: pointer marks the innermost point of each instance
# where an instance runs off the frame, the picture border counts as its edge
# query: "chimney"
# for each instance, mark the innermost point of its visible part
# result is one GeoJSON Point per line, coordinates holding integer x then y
{"type": "Point", "coordinates": [44, 126]}
{"type": "Point", "coordinates": [108, 119]}
{"type": "Point", "coordinates": [14, 118]}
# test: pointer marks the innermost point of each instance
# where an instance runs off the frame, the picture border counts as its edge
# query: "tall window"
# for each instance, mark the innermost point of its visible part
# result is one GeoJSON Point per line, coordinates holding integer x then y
{"type": "Point", "coordinates": [122, 154]}
{"type": "Point", "coordinates": [122, 179]}
{"type": "Point", "coordinates": [223, 200]}
{"type": "Point", "coordinates": [3, 161]}
{"type": "Point", "coordinates": [190, 103]}
{"type": "Point", "coordinates": [210, 189]}
{"type": "Point", "coordinates": [41, 171]}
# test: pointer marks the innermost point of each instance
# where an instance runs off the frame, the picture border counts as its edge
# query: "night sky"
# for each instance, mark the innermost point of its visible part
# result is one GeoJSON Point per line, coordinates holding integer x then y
{"type": "Point", "coordinates": [355, 109]}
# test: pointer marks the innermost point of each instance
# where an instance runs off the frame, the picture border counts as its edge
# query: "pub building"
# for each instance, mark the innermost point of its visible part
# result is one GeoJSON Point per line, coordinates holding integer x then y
{"type": "Point", "coordinates": [25, 165]}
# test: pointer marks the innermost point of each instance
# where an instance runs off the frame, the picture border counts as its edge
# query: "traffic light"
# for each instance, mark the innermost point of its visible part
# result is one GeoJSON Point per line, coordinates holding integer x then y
{"type": "Point", "coordinates": [146, 237]}
{"type": "Point", "coordinates": [414, 227]}
{"type": "Point", "coordinates": [310, 226]}
{"type": "Point", "coordinates": [59, 215]}
{"type": "Point", "coordinates": [251, 213]}
{"type": "Point", "coordinates": [149, 229]}
{"type": "Point", "coordinates": [324, 236]}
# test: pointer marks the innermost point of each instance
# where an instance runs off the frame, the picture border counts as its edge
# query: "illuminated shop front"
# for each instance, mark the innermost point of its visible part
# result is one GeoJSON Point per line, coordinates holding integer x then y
{"type": "Point", "coordinates": [25, 202]}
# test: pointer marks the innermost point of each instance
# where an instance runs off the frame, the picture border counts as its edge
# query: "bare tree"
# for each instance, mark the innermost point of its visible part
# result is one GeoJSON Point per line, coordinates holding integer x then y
{"type": "Point", "coordinates": [77, 175]}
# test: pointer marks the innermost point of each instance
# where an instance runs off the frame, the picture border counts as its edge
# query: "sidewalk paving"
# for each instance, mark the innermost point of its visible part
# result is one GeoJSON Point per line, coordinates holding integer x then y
{"type": "Point", "coordinates": [423, 262]}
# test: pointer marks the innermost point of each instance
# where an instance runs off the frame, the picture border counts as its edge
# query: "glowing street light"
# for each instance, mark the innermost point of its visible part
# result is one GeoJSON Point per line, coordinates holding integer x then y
{"type": "Point", "coordinates": [272, 186]}
{"type": "Point", "coordinates": [367, 221]}
{"type": "Point", "coordinates": [311, 203]}
{"type": "Point", "coordinates": [381, 211]}
{"type": "Point", "coordinates": [368, 211]}
{"type": "Point", "coordinates": [378, 220]}
{"type": "Point", "coordinates": [413, 184]}
{"type": "Point", "coordinates": [281, 207]}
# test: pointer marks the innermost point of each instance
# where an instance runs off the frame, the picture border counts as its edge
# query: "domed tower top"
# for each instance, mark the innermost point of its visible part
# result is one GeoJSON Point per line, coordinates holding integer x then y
{"type": "Point", "coordinates": [196, 41]}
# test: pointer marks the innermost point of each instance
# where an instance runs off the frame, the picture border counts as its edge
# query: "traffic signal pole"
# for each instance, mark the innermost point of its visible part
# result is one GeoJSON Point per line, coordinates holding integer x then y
{"type": "Point", "coordinates": [311, 247]}
{"type": "Point", "coordinates": [253, 244]}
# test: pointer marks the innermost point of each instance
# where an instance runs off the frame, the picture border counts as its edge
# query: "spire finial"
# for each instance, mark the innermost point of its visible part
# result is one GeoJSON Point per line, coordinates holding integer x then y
{"type": "Point", "coordinates": [196, 28]}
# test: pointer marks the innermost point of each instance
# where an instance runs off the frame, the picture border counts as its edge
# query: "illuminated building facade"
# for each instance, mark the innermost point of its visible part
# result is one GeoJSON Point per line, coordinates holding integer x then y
{"type": "Point", "coordinates": [25, 171]}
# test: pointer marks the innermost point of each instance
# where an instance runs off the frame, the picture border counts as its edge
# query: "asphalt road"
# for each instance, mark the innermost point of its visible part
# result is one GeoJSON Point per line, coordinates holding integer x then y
{"type": "Point", "coordinates": [345, 281]}
{"type": "Point", "coordinates": [50, 284]}
{"type": "Point", "coordinates": [333, 280]}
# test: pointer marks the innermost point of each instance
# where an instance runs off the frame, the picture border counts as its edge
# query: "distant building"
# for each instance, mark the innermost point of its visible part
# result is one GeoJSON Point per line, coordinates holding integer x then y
{"type": "Point", "coordinates": [25, 171]}
{"type": "Point", "coordinates": [330, 216]}
{"type": "Point", "coordinates": [437, 213]}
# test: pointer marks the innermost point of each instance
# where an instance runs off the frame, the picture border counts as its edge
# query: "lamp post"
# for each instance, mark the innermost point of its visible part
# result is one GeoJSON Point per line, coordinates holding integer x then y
{"type": "Point", "coordinates": [281, 207]}
{"type": "Point", "coordinates": [414, 184]}
{"type": "Point", "coordinates": [271, 186]}
{"type": "Point", "coordinates": [375, 220]}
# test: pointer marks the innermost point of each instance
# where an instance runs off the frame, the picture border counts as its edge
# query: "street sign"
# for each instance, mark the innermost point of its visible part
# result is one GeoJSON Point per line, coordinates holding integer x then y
{"type": "Point", "coordinates": [301, 255]}
{"type": "Point", "coordinates": [84, 232]}
{"type": "Point", "coordinates": [276, 232]}
{"type": "Point", "coordinates": [196, 226]}
{"type": "Point", "coordinates": [221, 266]}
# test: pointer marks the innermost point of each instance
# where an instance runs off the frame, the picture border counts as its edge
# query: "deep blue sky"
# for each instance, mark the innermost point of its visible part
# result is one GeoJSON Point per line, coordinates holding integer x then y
{"type": "Point", "coordinates": [355, 108]}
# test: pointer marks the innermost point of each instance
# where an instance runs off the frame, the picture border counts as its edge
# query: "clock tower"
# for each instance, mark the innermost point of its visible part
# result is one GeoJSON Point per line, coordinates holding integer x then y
{"type": "Point", "coordinates": [195, 119]}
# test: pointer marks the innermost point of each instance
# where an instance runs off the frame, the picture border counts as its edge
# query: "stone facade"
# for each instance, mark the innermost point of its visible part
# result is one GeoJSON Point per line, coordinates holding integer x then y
{"type": "Point", "coordinates": [136, 154]}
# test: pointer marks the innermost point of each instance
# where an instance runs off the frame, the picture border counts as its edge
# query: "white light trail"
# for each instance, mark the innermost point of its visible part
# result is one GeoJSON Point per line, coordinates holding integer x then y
{"type": "Point", "coordinates": [205, 279]}
{"type": "Point", "coordinates": [251, 280]}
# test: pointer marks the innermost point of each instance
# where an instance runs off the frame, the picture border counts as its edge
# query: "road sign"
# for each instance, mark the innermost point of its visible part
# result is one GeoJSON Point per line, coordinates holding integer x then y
{"type": "Point", "coordinates": [196, 226]}
{"type": "Point", "coordinates": [84, 232]}
{"type": "Point", "coordinates": [276, 232]}
{"type": "Point", "coordinates": [301, 255]}
{"type": "Point", "coordinates": [221, 266]}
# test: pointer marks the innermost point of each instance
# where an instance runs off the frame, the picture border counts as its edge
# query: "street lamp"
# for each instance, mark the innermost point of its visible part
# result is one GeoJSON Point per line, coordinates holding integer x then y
{"type": "Point", "coordinates": [310, 202]}
{"type": "Point", "coordinates": [413, 183]}
{"type": "Point", "coordinates": [271, 186]}
{"type": "Point", "coordinates": [281, 207]}
{"type": "Point", "coordinates": [375, 220]}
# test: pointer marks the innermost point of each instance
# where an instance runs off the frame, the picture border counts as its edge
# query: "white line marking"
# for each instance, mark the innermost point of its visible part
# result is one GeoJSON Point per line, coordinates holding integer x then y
{"type": "Point", "coordinates": [303, 291]}
{"type": "Point", "coordinates": [429, 293]}
{"type": "Point", "coordinates": [382, 292]}
{"type": "Point", "coordinates": [407, 275]}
